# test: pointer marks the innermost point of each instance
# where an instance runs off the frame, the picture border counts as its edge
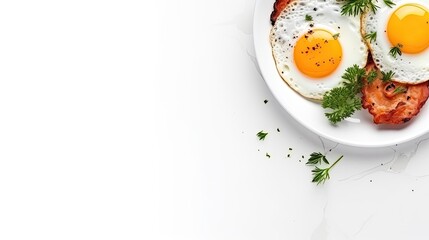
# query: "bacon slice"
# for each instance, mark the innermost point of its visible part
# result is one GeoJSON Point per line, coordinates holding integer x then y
{"type": "Point", "coordinates": [278, 7]}
{"type": "Point", "coordinates": [392, 102]}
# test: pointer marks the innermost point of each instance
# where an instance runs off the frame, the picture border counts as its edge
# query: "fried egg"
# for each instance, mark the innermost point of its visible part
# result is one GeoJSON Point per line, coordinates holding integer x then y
{"type": "Point", "coordinates": [313, 44]}
{"type": "Point", "coordinates": [404, 26]}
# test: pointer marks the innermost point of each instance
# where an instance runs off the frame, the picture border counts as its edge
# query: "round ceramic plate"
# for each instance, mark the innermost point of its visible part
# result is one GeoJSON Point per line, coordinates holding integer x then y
{"type": "Point", "coordinates": [359, 130]}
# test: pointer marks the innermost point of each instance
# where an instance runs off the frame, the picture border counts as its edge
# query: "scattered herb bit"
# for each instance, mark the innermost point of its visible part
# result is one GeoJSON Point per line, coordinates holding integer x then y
{"type": "Point", "coordinates": [387, 76]}
{"type": "Point", "coordinates": [261, 135]}
{"type": "Point", "coordinates": [336, 35]}
{"type": "Point", "coordinates": [372, 36]}
{"type": "Point", "coordinates": [389, 3]}
{"type": "Point", "coordinates": [308, 18]}
{"type": "Point", "coordinates": [267, 155]}
{"type": "Point", "coordinates": [356, 7]}
{"type": "Point", "coordinates": [265, 101]}
{"type": "Point", "coordinates": [400, 89]}
{"type": "Point", "coordinates": [343, 100]}
{"type": "Point", "coordinates": [317, 158]}
{"type": "Point", "coordinates": [372, 75]}
{"type": "Point", "coordinates": [320, 175]}
{"type": "Point", "coordinates": [396, 50]}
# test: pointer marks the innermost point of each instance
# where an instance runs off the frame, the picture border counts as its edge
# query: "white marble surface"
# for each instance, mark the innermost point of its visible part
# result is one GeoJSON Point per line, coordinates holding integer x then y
{"type": "Point", "coordinates": [218, 183]}
{"type": "Point", "coordinates": [138, 120]}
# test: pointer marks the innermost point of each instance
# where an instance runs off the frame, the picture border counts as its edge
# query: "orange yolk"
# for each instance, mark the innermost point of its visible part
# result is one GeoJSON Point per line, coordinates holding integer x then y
{"type": "Point", "coordinates": [409, 26]}
{"type": "Point", "coordinates": [317, 53]}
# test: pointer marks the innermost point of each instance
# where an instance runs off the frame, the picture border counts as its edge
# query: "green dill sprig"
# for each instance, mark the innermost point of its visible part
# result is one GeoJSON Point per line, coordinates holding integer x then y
{"type": "Point", "coordinates": [396, 50]}
{"type": "Point", "coordinates": [372, 36]}
{"type": "Point", "coordinates": [261, 135]}
{"type": "Point", "coordinates": [389, 3]}
{"type": "Point", "coordinates": [343, 100]}
{"type": "Point", "coordinates": [371, 76]}
{"type": "Point", "coordinates": [387, 76]}
{"type": "Point", "coordinates": [356, 7]}
{"type": "Point", "coordinates": [317, 158]}
{"type": "Point", "coordinates": [308, 18]}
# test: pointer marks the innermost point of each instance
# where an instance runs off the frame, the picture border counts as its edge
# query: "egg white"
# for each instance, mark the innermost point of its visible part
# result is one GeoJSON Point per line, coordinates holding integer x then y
{"type": "Point", "coordinates": [291, 25]}
{"type": "Point", "coordinates": [408, 68]}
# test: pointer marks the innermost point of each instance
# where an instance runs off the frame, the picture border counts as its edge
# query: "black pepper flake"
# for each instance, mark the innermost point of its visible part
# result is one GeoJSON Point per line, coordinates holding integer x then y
{"type": "Point", "coordinates": [408, 98]}
{"type": "Point", "coordinates": [267, 155]}
{"type": "Point", "coordinates": [265, 101]}
{"type": "Point", "coordinates": [370, 180]}
{"type": "Point", "coordinates": [290, 149]}
{"type": "Point", "coordinates": [315, 9]}
{"type": "Point", "coordinates": [288, 155]}
{"type": "Point", "coordinates": [278, 130]}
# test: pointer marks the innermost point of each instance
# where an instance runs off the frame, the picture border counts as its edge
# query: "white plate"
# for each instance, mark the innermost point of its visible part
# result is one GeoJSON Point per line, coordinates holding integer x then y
{"type": "Point", "coordinates": [357, 131]}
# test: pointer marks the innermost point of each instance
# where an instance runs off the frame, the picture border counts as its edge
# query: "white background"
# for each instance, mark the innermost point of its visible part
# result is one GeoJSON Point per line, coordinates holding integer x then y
{"type": "Point", "coordinates": [138, 120]}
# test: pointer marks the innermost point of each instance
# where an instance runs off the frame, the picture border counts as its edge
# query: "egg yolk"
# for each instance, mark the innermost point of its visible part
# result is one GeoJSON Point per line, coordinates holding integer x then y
{"type": "Point", "coordinates": [408, 27]}
{"type": "Point", "coordinates": [317, 53]}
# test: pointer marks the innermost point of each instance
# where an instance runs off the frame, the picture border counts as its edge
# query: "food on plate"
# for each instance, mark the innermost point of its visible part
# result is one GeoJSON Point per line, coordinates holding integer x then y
{"type": "Point", "coordinates": [397, 34]}
{"type": "Point", "coordinates": [392, 102]}
{"type": "Point", "coordinates": [278, 7]}
{"type": "Point", "coordinates": [313, 45]}
{"type": "Point", "coordinates": [392, 85]}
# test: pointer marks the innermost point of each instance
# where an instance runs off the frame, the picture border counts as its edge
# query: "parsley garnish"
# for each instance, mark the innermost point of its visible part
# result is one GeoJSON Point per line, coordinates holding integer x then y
{"type": "Point", "coordinates": [261, 135]}
{"type": "Point", "coordinates": [396, 50]}
{"type": "Point", "coordinates": [336, 35]}
{"type": "Point", "coordinates": [356, 7]}
{"type": "Point", "coordinates": [343, 100]}
{"type": "Point", "coordinates": [317, 158]}
{"type": "Point", "coordinates": [387, 76]}
{"type": "Point", "coordinates": [308, 18]}
{"type": "Point", "coordinates": [372, 36]}
{"type": "Point", "coordinates": [400, 90]}
{"type": "Point", "coordinates": [372, 75]}
{"type": "Point", "coordinates": [389, 3]}
{"type": "Point", "coordinates": [320, 175]}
